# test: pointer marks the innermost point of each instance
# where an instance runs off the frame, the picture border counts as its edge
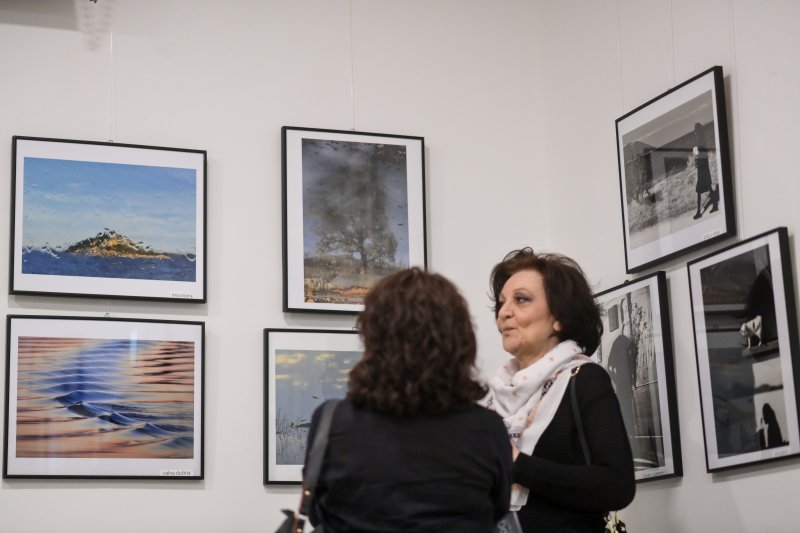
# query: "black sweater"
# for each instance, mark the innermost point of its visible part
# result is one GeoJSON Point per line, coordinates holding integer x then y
{"type": "Point", "coordinates": [448, 473]}
{"type": "Point", "coordinates": [566, 494]}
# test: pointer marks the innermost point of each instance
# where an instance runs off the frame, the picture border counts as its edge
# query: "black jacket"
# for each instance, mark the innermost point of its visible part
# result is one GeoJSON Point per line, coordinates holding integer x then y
{"type": "Point", "coordinates": [382, 474]}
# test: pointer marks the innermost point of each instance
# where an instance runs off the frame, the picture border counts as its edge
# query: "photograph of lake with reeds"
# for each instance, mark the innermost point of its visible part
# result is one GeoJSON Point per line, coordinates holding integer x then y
{"type": "Point", "coordinates": [303, 380]}
{"type": "Point", "coordinates": [109, 220]}
{"type": "Point", "coordinates": [122, 398]}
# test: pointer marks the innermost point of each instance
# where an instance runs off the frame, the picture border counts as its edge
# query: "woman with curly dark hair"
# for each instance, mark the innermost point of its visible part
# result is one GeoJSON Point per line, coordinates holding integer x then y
{"type": "Point", "coordinates": [550, 323]}
{"type": "Point", "coordinates": [409, 449]}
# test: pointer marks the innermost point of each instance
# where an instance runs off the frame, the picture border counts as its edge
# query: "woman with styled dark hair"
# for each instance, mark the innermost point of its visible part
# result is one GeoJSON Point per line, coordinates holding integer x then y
{"type": "Point", "coordinates": [409, 448]}
{"type": "Point", "coordinates": [550, 323]}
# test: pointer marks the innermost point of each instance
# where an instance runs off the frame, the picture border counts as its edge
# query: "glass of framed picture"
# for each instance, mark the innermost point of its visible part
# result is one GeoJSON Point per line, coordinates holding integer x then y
{"type": "Point", "coordinates": [674, 172]}
{"type": "Point", "coordinates": [353, 212]}
{"type": "Point", "coordinates": [302, 369]}
{"type": "Point", "coordinates": [108, 220]}
{"type": "Point", "coordinates": [103, 398]}
{"type": "Point", "coordinates": [636, 350]}
{"type": "Point", "coordinates": [745, 332]}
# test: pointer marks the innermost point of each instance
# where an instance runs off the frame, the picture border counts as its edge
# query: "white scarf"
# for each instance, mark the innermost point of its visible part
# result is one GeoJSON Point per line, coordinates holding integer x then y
{"type": "Point", "coordinates": [527, 399]}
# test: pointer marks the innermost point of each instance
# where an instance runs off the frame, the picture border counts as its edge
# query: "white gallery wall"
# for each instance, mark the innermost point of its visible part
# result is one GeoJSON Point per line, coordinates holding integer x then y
{"type": "Point", "coordinates": [516, 101]}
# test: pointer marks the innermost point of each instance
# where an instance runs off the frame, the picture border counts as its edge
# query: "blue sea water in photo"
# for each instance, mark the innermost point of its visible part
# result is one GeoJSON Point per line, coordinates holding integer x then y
{"type": "Point", "coordinates": [173, 268]}
{"type": "Point", "coordinates": [105, 398]}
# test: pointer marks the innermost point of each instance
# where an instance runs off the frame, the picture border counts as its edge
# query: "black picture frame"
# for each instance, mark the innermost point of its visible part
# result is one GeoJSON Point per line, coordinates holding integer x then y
{"type": "Point", "coordinates": [353, 212]}
{"type": "Point", "coordinates": [638, 356]}
{"type": "Point", "coordinates": [745, 333]}
{"type": "Point", "coordinates": [110, 398]}
{"type": "Point", "coordinates": [302, 369]}
{"type": "Point", "coordinates": [107, 220]}
{"type": "Point", "coordinates": [676, 188]}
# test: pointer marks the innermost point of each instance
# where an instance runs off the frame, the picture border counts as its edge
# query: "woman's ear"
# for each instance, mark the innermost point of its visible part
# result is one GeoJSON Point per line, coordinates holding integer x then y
{"type": "Point", "coordinates": [557, 326]}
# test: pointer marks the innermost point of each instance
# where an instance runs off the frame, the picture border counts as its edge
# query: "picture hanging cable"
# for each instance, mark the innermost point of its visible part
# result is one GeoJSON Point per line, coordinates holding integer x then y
{"type": "Point", "coordinates": [671, 31]}
{"type": "Point", "coordinates": [735, 113]}
{"type": "Point", "coordinates": [619, 58]}
{"type": "Point", "coordinates": [112, 121]}
{"type": "Point", "coordinates": [352, 66]}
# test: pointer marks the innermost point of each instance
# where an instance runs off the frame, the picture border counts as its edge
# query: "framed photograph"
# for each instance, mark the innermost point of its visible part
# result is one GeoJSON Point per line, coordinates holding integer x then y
{"type": "Point", "coordinates": [302, 369]}
{"type": "Point", "coordinates": [745, 333]}
{"type": "Point", "coordinates": [108, 220]}
{"type": "Point", "coordinates": [636, 350]}
{"type": "Point", "coordinates": [353, 212]}
{"type": "Point", "coordinates": [674, 172]}
{"type": "Point", "coordinates": [103, 398]}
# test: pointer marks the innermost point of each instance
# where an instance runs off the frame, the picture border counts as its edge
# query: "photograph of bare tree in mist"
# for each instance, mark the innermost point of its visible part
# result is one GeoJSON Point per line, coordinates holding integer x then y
{"type": "Point", "coordinates": [355, 217]}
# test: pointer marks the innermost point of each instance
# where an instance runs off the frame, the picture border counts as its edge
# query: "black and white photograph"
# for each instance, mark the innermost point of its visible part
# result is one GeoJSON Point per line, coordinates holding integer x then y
{"type": "Point", "coordinates": [354, 212]}
{"type": "Point", "coordinates": [674, 170]}
{"type": "Point", "coordinates": [636, 350]}
{"type": "Point", "coordinates": [745, 331]}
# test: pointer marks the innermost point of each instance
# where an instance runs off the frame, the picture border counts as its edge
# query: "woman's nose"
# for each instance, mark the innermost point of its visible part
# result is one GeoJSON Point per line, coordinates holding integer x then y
{"type": "Point", "coordinates": [505, 311]}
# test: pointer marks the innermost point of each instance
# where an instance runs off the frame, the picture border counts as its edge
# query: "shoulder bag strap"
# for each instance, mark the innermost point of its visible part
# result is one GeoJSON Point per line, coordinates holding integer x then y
{"type": "Point", "coordinates": [576, 412]}
{"type": "Point", "coordinates": [612, 521]}
{"type": "Point", "coordinates": [316, 455]}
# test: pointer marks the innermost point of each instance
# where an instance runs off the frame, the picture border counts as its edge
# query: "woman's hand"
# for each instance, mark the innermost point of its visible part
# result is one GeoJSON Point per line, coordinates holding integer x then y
{"type": "Point", "coordinates": [514, 451]}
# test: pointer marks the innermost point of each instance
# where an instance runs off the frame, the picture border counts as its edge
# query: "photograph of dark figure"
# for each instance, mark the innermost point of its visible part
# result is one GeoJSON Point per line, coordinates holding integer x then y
{"type": "Point", "coordinates": [619, 368]}
{"type": "Point", "coordinates": [674, 172]}
{"type": "Point", "coordinates": [635, 350]}
{"type": "Point", "coordinates": [671, 172]}
{"type": "Point", "coordinates": [770, 435]}
{"type": "Point", "coordinates": [745, 333]}
{"type": "Point", "coordinates": [700, 152]}
{"type": "Point", "coordinates": [759, 328]}
{"type": "Point", "coordinates": [728, 287]}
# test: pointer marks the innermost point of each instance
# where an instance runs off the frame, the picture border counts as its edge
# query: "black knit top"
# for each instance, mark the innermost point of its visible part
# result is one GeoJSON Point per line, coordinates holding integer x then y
{"type": "Point", "coordinates": [566, 494]}
{"type": "Point", "coordinates": [387, 474]}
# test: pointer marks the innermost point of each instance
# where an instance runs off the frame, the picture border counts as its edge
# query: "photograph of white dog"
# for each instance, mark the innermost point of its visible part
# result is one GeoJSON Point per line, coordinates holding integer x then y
{"type": "Point", "coordinates": [746, 338]}
{"type": "Point", "coordinates": [750, 329]}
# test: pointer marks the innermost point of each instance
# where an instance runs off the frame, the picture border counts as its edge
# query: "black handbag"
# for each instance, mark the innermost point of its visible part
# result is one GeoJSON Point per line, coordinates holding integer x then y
{"type": "Point", "coordinates": [296, 521]}
{"type": "Point", "coordinates": [612, 520]}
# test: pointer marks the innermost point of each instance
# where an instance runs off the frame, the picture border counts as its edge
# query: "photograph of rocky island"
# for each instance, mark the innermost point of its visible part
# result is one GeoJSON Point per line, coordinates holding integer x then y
{"type": "Point", "coordinates": [109, 220]}
{"type": "Point", "coordinates": [109, 255]}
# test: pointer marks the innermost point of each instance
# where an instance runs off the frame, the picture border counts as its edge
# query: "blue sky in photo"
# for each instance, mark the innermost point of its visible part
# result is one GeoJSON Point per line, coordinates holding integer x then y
{"type": "Point", "coordinates": [65, 201]}
{"type": "Point", "coordinates": [306, 378]}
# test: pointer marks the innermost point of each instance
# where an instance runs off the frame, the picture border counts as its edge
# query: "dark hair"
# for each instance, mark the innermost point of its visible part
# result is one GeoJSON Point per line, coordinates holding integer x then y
{"type": "Point", "coordinates": [568, 294]}
{"type": "Point", "coordinates": [419, 347]}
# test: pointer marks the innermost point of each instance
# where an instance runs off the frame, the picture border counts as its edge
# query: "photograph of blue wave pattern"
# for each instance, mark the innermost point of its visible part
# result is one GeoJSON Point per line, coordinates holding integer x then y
{"type": "Point", "coordinates": [105, 398]}
{"type": "Point", "coordinates": [109, 220]}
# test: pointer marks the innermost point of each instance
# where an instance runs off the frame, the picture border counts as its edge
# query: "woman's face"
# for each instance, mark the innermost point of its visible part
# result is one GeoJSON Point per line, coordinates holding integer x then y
{"type": "Point", "coordinates": [527, 328]}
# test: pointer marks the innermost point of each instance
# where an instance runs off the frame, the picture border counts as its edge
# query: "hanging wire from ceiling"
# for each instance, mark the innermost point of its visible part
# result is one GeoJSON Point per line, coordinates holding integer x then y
{"type": "Point", "coordinates": [733, 75]}
{"type": "Point", "coordinates": [352, 66]}
{"type": "Point", "coordinates": [619, 59]}
{"type": "Point", "coordinates": [671, 31]}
